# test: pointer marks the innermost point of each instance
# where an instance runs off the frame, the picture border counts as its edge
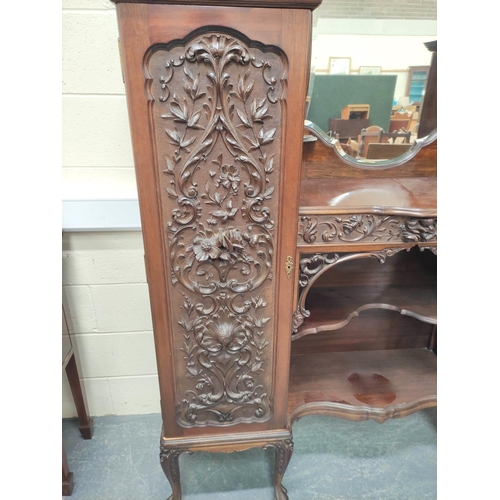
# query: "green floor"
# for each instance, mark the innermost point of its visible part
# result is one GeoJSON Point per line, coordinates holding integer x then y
{"type": "Point", "coordinates": [332, 459]}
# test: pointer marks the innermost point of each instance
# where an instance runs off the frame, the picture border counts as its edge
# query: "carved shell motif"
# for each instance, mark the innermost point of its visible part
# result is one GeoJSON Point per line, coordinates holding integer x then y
{"type": "Point", "coordinates": [217, 112]}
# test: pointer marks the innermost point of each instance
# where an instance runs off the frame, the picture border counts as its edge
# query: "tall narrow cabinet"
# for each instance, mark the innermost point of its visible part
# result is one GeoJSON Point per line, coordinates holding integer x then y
{"type": "Point", "coordinates": [216, 95]}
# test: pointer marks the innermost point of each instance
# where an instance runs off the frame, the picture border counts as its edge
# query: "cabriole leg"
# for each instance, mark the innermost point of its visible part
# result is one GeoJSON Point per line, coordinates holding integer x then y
{"type": "Point", "coordinates": [169, 459]}
{"type": "Point", "coordinates": [284, 450]}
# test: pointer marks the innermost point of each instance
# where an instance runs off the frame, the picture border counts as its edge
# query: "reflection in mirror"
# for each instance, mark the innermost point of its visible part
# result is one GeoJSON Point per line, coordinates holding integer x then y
{"type": "Point", "coordinates": [370, 70]}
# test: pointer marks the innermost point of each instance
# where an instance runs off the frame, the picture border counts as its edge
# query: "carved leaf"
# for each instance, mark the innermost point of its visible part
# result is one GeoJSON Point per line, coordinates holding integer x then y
{"type": "Point", "coordinates": [186, 143]}
{"type": "Point", "coordinates": [172, 193]}
{"type": "Point", "coordinates": [243, 118]}
{"type": "Point", "coordinates": [193, 120]}
{"type": "Point", "coordinates": [269, 165]}
{"type": "Point", "coordinates": [268, 192]}
{"type": "Point", "coordinates": [235, 143]}
{"type": "Point", "coordinates": [170, 166]}
{"type": "Point", "coordinates": [252, 141]}
{"type": "Point", "coordinates": [266, 137]}
{"type": "Point", "coordinates": [174, 135]}
{"type": "Point", "coordinates": [257, 366]}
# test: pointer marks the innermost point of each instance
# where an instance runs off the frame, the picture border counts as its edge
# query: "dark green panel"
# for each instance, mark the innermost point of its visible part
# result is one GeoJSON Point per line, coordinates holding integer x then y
{"type": "Point", "coordinates": [331, 93]}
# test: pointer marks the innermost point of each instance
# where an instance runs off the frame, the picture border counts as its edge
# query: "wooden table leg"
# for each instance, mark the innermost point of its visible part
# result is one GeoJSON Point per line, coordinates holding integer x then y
{"type": "Point", "coordinates": [86, 427]}
{"type": "Point", "coordinates": [67, 476]}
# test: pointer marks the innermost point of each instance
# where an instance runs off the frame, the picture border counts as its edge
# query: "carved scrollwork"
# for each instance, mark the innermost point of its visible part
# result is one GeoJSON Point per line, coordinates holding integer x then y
{"type": "Point", "coordinates": [433, 249]}
{"type": "Point", "coordinates": [312, 266]}
{"type": "Point", "coordinates": [367, 228]}
{"type": "Point", "coordinates": [217, 110]}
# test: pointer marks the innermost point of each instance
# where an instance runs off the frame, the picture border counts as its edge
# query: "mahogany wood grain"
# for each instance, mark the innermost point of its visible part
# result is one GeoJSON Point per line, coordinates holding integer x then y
{"type": "Point", "coordinates": [366, 384]}
{"type": "Point", "coordinates": [374, 329]}
{"type": "Point", "coordinates": [383, 195]}
{"type": "Point", "coordinates": [322, 162]}
{"type": "Point", "coordinates": [333, 308]}
{"type": "Point", "coordinates": [405, 269]}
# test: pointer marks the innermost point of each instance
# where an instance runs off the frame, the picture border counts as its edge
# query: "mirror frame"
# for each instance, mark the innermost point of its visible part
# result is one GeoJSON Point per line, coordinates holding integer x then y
{"type": "Point", "coordinates": [419, 143]}
{"type": "Point", "coordinates": [369, 164]}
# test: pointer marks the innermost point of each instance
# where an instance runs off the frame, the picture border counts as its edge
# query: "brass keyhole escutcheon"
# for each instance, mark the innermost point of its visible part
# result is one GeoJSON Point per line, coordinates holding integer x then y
{"type": "Point", "coordinates": [289, 266]}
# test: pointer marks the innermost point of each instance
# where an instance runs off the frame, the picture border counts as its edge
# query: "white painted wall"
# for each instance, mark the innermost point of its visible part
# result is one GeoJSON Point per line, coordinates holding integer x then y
{"type": "Point", "coordinates": [105, 284]}
{"type": "Point", "coordinates": [103, 272]}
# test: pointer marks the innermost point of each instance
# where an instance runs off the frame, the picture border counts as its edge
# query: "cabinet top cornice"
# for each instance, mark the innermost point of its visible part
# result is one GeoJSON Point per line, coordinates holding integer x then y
{"type": "Point", "coordinates": [282, 4]}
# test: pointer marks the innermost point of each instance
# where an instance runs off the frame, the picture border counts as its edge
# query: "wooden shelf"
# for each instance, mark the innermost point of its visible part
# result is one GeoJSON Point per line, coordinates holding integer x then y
{"type": "Point", "coordinates": [334, 308]}
{"type": "Point", "coordinates": [360, 385]}
{"type": "Point", "coordinates": [414, 196]}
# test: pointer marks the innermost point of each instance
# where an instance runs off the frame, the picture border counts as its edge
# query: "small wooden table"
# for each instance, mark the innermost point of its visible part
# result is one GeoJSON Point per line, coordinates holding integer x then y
{"type": "Point", "coordinates": [79, 397]}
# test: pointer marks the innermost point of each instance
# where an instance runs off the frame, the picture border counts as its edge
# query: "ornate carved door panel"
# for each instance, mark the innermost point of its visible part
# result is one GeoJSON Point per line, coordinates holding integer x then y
{"type": "Point", "coordinates": [217, 117]}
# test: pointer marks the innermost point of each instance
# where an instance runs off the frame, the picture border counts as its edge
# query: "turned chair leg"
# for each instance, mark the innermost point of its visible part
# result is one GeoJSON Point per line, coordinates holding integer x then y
{"type": "Point", "coordinates": [67, 476]}
{"type": "Point", "coordinates": [169, 459]}
{"type": "Point", "coordinates": [86, 423]}
{"type": "Point", "coordinates": [284, 450]}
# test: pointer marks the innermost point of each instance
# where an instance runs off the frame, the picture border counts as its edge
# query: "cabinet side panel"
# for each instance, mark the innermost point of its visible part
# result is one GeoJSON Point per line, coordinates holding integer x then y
{"type": "Point", "coordinates": [133, 25]}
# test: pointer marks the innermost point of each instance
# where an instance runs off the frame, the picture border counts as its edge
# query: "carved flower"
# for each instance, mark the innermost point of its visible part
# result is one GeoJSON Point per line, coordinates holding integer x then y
{"type": "Point", "coordinates": [225, 245]}
{"type": "Point", "coordinates": [229, 177]}
{"type": "Point", "coordinates": [231, 240]}
{"type": "Point", "coordinates": [217, 45]}
{"type": "Point", "coordinates": [205, 247]}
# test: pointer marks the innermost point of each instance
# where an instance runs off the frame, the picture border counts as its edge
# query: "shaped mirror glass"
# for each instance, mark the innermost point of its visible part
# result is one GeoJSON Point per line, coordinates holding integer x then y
{"type": "Point", "coordinates": [370, 71]}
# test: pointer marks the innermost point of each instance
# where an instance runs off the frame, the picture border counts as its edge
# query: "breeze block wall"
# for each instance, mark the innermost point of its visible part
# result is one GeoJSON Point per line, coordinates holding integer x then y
{"type": "Point", "coordinates": [104, 277]}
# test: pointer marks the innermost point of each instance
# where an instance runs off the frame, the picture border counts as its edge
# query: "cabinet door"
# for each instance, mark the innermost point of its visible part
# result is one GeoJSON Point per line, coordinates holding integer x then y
{"type": "Point", "coordinates": [216, 101]}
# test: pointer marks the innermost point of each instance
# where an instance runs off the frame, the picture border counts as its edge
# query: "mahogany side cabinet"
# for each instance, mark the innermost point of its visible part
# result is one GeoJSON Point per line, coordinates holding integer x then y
{"type": "Point", "coordinates": [243, 247]}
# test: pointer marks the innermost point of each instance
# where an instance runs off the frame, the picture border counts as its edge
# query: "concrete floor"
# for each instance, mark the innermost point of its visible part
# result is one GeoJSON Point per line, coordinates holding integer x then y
{"type": "Point", "coordinates": [332, 459]}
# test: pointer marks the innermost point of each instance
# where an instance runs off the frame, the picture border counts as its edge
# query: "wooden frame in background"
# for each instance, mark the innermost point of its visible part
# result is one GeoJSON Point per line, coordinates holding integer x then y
{"type": "Point", "coordinates": [339, 65]}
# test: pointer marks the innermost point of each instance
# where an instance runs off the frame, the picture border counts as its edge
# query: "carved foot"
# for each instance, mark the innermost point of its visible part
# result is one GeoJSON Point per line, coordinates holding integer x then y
{"type": "Point", "coordinates": [280, 493]}
{"type": "Point", "coordinates": [169, 459]}
{"type": "Point", "coordinates": [284, 450]}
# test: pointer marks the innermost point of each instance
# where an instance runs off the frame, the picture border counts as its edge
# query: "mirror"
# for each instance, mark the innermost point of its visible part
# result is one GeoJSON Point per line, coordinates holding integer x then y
{"type": "Point", "coordinates": [369, 69]}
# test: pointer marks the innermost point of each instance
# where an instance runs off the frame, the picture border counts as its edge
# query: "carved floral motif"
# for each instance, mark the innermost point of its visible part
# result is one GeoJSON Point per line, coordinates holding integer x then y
{"type": "Point", "coordinates": [217, 115]}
